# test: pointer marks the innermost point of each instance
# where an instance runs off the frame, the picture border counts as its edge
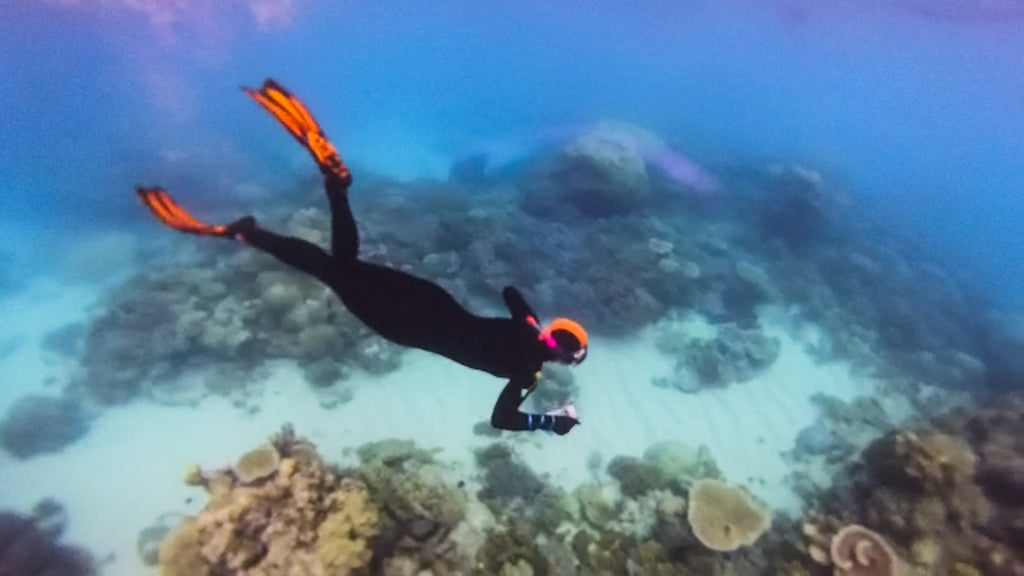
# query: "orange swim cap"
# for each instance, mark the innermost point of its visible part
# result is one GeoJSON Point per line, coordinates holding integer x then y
{"type": "Point", "coordinates": [570, 337]}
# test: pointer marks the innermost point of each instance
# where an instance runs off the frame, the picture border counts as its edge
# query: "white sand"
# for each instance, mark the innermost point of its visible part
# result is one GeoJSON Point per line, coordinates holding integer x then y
{"type": "Point", "coordinates": [129, 469]}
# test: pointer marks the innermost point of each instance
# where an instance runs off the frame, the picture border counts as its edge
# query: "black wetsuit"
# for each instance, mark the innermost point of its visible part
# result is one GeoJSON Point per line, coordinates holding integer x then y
{"type": "Point", "coordinates": [414, 312]}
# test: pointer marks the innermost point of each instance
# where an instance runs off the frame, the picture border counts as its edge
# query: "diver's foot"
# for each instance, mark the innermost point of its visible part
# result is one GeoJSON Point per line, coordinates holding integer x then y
{"type": "Point", "coordinates": [239, 228]}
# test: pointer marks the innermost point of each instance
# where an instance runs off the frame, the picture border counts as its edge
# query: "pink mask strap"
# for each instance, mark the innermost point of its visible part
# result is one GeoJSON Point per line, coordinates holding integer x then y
{"type": "Point", "coordinates": [545, 338]}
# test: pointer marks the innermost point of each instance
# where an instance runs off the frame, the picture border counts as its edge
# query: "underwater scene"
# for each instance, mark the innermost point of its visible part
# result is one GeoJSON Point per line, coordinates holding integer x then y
{"type": "Point", "coordinates": [301, 287]}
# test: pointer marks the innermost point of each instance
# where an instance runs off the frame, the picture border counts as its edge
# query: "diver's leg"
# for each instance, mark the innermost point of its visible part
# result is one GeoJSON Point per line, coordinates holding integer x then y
{"type": "Point", "coordinates": [295, 252]}
{"type": "Point", "coordinates": [344, 235]}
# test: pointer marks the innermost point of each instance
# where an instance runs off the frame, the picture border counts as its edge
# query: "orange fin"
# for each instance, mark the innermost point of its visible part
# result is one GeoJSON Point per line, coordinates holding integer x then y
{"type": "Point", "coordinates": [296, 119]}
{"type": "Point", "coordinates": [170, 214]}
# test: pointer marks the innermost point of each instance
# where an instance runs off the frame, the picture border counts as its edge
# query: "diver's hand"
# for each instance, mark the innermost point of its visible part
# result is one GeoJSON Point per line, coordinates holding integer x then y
{"type": "Point", "coordinates": [563, 424]}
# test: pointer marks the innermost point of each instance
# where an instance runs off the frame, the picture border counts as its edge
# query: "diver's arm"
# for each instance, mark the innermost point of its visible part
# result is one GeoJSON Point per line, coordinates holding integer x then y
{"type": "Point", "coordinates": [517, 304]}
{"type": "Point", "coordinates": [506, 415]}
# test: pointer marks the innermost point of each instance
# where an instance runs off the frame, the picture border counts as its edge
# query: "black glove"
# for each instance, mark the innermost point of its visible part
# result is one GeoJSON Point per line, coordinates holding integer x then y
{"type": "Point", "coordinates": [563, 424]}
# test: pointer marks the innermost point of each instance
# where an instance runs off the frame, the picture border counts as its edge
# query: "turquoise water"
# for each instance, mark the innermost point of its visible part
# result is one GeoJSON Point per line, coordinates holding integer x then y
{"type": "Point", "coordinates": [915, 106]}
{"type": "Point", "coordinates": [825, 254]}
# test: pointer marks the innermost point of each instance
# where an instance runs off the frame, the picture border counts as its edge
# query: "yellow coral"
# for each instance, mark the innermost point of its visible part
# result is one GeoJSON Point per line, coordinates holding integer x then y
{"type": "Point", "coordinates": [952, 454]}
{"type": "Point", "coordinates": [961, 569]}
{"type": "Point", "coordinates": [287, 468]}
{"type": "Point", "coordinates": [181, 553]}
{"type": "Point", "coordinates": [257, 464]}
{"type": "Point", "coordinates": [724, 518]}
{"type": "Point", "coordinates": [344, 537]}
{"type": "Point", "coordinates": [193, 475]}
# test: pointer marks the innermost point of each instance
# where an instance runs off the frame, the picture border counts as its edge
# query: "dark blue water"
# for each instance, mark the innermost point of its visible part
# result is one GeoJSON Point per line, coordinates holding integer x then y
{"type": "Point", "coordinates": [915, 107]}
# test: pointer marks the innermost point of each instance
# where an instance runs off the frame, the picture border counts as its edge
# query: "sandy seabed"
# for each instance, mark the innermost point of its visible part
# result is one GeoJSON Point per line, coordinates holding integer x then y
{"type": "Point", "coordinates": [129, 469]}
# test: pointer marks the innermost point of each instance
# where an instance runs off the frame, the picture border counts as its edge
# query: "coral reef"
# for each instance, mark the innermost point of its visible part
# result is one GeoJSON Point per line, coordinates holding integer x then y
{"type": "Point", "coordinates": [257, 464]}
{"type": "Point", "coordinates": [724, 517]}
{"type": "Point", "coordinates": [733, 355]}
{"type": "Point", "coordinates": [669, 465]}
{"type": "Point", "coordinates": [637, 525]}
{"type": "Point", "coordinates": [147, 544]}
{"type": "Point", "coordinates": [37, 425]}
{"type": "Point", "coordinates": [948, 495]}
{"type": "Point", "coordinates": [29, 545]}
{"type": "Point", "coordinates": [402, 512]}
{"type": "Point", "coordinates": [236, 311]}
{"type": "Point", "coordinates": [796, 208]}
{"type": "Point", "coordinates": [421, 509]}
{"type": "Point", "coordinates": [603, 172]}
{"type": "Point", "coordinates": [629, 248]}
{"type": "Point", "coordinates": [506, 478]}
{"type": "Point", "coordinates": [300, 519]}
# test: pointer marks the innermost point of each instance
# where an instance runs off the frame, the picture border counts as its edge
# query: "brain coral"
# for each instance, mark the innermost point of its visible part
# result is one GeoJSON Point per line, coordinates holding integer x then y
{"type": "Point", "coordinates": [857, 551]}
{"type": "Point", "coordinates": [723, 517]}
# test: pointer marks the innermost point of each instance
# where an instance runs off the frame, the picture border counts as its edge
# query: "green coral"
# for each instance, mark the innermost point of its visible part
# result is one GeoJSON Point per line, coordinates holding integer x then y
{"type": "Point", "coordinates": [420, 507]}
{"type": "Point", "coordinates": [393, 452]}
{"type": "Point", "coordinates": [506, 478]}
{"type": "Point", "coordinates": [511, 547]}
{"type": "Point", "coordinates": [597, 503]}
{"type": "Point", "coordinates": [679, 465]}
{"type": "Point", "coordinates": [635, 476]}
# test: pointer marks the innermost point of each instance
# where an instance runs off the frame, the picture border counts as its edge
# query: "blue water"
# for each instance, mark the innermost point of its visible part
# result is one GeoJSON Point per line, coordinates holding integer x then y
{"type": "Point", "coordinates": [911, 109]}
{"type": "Point", "coordinates": [915, 107]}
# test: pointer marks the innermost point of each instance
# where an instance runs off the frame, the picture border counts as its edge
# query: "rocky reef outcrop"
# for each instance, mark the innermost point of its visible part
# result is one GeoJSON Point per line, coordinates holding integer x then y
{"type": "Point", "coordinates": [948, 495]}
{"type": "Point", "coordinates": [30, 545]}
{"type": "Point", "coordinates": [37, 425]}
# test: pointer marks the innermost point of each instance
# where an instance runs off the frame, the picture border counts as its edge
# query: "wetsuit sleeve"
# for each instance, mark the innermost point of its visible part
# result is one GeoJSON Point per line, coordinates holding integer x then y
{"type": "Point", "coordinates": [517, 304]}
{"type": "Point", "coordinates": [506, 415]}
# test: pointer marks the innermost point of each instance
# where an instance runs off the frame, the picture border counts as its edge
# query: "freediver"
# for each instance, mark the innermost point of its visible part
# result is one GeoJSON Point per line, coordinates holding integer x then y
{"type": "Point", "coordinates": [400, 307]}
